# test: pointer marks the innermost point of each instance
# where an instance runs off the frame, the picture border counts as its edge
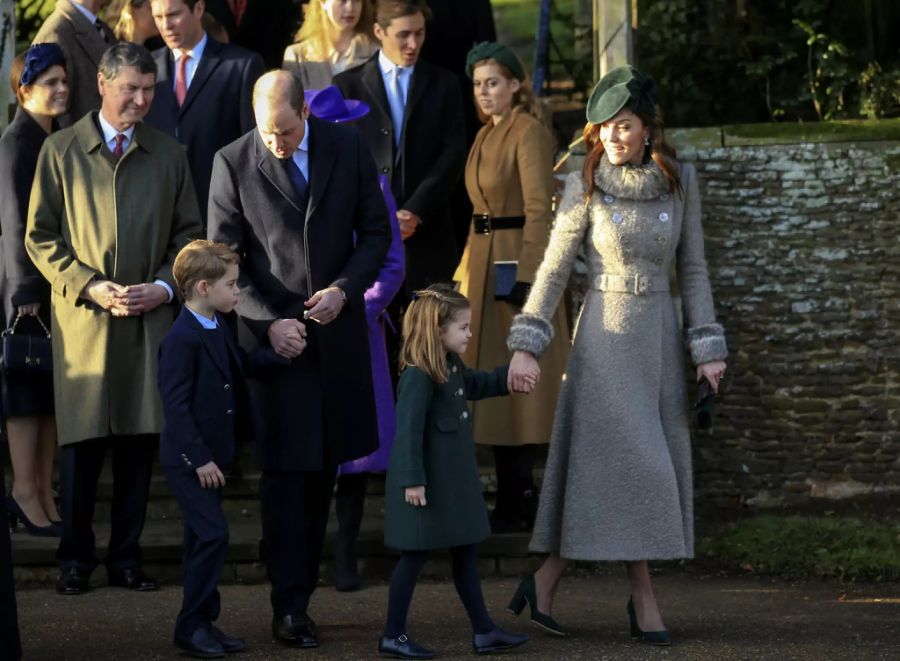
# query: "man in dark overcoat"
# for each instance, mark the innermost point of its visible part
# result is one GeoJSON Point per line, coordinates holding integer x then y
{"type": "Point", "coordinates": [203, 88]}
{"type": "Point", "coordinates": [84, 38]}
{"type": "Point", "coordinates": [417, 135]}
{"type": "Point", "coordinates": [298, 199]}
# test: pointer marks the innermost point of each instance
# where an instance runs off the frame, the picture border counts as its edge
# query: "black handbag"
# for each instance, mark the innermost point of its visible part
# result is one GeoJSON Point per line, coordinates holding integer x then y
{"type": "Point", "coordinates": [25, 354]}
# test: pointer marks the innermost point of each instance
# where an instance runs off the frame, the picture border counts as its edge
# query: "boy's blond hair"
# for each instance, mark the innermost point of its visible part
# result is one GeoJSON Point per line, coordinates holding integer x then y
{"type": "Point", "coordinates": [201, 260]}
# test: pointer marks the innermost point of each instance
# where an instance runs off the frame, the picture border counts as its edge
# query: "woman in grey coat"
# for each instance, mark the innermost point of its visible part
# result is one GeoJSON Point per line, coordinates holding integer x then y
{"type": "Point", "coordinates": [618, 484]}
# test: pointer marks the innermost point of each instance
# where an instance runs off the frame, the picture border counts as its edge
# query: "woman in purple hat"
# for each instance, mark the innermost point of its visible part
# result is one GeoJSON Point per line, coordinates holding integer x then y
{"type": "Point", "coordinates": [328, 104]}
{"type": "Point", "coordinates": [38, 79]}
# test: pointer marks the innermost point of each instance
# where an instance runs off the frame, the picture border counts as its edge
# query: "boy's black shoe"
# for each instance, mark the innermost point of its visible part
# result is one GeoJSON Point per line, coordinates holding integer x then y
{"type": "Point", "coordinates": [229, 643]}
{"type": "Point", "coordinates": [295, 631]}
{"type": "Point", "coordinates": [200, 645]}
{"type": "Point", "coordinates": [402, 647]}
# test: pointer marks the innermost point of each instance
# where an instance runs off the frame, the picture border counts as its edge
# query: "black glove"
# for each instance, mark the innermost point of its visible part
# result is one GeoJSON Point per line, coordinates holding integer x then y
{"type": "Point", "coordinates": [519, 294]}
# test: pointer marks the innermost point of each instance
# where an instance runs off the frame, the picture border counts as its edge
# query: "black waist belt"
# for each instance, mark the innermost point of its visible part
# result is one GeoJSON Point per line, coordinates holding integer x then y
{"type": "Point", "coordinates": [485, 224]}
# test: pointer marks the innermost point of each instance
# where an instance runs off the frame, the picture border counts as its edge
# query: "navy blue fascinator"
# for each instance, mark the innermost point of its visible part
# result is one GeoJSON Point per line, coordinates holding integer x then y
{"type": "Point", "coordinates": [39, 58]}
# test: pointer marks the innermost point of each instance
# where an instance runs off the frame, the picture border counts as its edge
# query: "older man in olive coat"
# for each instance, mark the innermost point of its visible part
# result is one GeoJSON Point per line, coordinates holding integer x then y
{"type": "Point", "coordinates": [112, 204]}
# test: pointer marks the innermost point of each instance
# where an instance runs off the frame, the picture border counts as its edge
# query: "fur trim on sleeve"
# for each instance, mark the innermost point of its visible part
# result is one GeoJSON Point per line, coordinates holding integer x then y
{"type": "Point", "coordinates": [529, 333]}
{"type": "Point", "coordinates": [707, 343]}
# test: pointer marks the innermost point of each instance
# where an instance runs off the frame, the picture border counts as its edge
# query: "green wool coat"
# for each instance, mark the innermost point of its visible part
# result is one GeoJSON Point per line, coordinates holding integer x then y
{"type": "Point", "coordinates": [434, 447]}
{"type": "Point", "coordinates": [124, 221]}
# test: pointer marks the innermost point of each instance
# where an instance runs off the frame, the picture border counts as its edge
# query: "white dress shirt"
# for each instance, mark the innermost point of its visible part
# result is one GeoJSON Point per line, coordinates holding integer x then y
{"type": "Point", "coordinates": [191, 67]}
{"type": "Point", "coordinates": [88, 14]}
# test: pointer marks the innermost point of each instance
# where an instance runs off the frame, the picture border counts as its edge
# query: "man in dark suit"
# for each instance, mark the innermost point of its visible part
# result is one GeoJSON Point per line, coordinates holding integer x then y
{"type": "Point", "coordinates": [298, 199]}
{"type": "Point", "coordinates": [203, 88]}
{"type": "Point", "coordinates": [416, 133]}
{"type": "Point", "coordinates": [83, 38]}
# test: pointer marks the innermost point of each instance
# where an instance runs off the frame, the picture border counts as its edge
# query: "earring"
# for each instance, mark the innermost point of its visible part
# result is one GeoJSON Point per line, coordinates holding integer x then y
{"type": "Point", "coordinates": [646, 142]}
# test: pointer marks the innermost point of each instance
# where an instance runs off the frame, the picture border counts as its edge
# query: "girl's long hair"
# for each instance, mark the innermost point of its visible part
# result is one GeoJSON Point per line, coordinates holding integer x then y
{"type": "Point", "coordinates": [525, 98]}
{"type": "Point", "coordinates": [314, 31]}
{"type": "Point", "coordinates": [425, 318]}
{"type": "Point", "coordinates": [660, 151]}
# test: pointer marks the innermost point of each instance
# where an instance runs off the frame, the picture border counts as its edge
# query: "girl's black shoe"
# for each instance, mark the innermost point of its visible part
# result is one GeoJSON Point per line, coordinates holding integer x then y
{"type": "Point", "coordinates": [659, 638]}
{"type": "Point", "coordinates": [16, 514]}
{"type": "Point", "coordinates": [527, 594]}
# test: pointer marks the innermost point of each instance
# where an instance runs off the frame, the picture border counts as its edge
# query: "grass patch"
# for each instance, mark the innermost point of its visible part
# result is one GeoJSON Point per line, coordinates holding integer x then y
{"type": "Point", "coordinates": [798, 547]}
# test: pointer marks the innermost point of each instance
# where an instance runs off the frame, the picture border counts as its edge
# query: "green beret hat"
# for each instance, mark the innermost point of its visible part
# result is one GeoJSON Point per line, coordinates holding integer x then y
{"type": "Point", "coordinates": [491, 50]}
{"type": "Point", "coordinates": [623, 87]}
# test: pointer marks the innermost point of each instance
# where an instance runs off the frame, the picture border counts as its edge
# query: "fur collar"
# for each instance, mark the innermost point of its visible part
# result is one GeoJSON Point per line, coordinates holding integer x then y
{"type": "Point", "coordinates": [631, 182]}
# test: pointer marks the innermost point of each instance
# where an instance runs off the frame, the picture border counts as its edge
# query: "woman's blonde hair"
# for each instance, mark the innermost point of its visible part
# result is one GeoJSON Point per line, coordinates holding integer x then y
{"type": "Point", "coordinates": [525, 98]}
{"type": "Point", "coordinates": [119, 15]}
{"type": "Point", "coordinates": [314, 31]}
{"type": "Point", "coordinates": [424, 321]}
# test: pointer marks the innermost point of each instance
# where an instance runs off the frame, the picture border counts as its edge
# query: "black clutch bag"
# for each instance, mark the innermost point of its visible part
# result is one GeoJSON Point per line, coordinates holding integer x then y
{"type": "Point", "coordinates": [705, 406]}
{"type": "Point", "coordinates": [25, 354]}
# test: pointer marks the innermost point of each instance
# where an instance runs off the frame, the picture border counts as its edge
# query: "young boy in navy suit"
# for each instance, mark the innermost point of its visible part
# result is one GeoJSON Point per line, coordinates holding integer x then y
{"type": "Point", "coordinates": [201, 382]}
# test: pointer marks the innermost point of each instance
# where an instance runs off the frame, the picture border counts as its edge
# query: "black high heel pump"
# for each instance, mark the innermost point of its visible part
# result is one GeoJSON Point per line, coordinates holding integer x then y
{"type": "Point", "coordinates": [527, 594]}
{"type": "Point", "coordinates": [660, 638]}
{"type": "Point", "coordinates": [16, 514]}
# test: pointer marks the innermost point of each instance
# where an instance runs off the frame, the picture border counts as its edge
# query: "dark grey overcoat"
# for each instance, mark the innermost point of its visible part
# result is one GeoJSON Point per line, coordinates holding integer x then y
{"type": "Point", "coordinates": [434, 448]}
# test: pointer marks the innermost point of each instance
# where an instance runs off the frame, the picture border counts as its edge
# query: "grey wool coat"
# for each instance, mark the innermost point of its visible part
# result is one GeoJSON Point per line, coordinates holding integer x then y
{"type": "Point", "coordinates": [618, 482]}
{"type": "Point", "coordinates": [434, 448]}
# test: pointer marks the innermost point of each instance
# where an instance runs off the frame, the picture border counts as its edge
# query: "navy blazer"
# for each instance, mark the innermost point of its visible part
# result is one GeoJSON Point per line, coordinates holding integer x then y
{"type": "Point", "coordinates": [216, 111]}
{"type": "Point", "coordinates": [200, 401]}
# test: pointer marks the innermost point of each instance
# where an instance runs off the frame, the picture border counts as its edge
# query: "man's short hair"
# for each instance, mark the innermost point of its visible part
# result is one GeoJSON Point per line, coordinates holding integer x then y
{"type": "Point", "coordinates": [126, 54]}
{"type": "Point", "coordinates": [201, 260]}
{"type": "Point", "coordinates": [387, 10]}
{"type": "Point", "coordinates": [294, 86]}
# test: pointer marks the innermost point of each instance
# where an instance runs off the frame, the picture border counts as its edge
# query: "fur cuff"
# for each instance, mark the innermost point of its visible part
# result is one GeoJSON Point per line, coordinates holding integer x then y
{"type": "Point", "coordinates": [707, 343]}
{"type": "Point", "coordinates": [529, 333]}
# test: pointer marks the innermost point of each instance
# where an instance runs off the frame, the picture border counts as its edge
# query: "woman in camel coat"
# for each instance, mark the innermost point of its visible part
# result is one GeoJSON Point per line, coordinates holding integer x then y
{"type": "Point", "coordinates": [509, 178]}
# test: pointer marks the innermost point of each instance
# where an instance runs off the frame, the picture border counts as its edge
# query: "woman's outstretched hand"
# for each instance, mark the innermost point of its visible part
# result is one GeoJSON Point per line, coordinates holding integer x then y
{"type": "Point", "coordinates": [524, 372]}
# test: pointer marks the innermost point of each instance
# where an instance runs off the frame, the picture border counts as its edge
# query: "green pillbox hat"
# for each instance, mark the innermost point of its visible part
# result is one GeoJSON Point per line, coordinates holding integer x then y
{"type": "Point", "coordinates": [623, 87]}
{"type": "Point", "coordinates": [491, 50]}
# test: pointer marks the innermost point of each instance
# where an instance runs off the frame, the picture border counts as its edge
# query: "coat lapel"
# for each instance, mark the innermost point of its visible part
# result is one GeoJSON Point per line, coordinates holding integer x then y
{"type": "Point", "coordinates": [273, 170]}
{"type": "Point", "coordinates": [89, 38]}
{"type": "Point", "coordinates": [321, 160]}
{"type": "Point", "coordinates": [206, 339]}
{"type": "Point", "coordinates": [374, 83]}
{"type": "Point", "coordinates": [208, 63]}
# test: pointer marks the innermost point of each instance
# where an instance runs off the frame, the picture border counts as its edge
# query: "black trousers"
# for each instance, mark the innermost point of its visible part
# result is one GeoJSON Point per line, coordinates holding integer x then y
{"type": "Point", "coordinates": [79, 471]}
{"type": "Point", "coordinates": [204, 549]}
{"type": "Point", "coordinates": [295, 509]}
{"type": "Point", "coordinates": [10, 645]}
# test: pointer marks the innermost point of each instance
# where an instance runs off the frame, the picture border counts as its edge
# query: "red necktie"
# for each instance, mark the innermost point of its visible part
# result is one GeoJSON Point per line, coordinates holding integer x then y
{"type": "Point", "coordinates": [181, 79]}
{"type": "Point", "coordinates": [117, 150]}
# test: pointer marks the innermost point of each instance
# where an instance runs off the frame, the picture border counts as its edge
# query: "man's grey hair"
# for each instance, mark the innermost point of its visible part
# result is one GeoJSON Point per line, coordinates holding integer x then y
{"type": "Point", "coordinates": [125, 54]}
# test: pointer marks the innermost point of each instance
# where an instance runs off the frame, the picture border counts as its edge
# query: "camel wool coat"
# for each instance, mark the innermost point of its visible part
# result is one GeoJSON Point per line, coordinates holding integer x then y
{"type": "Point", "coordinates": [510, 173]}
{"type": "Point", "coordinates": [123, 221]}
{"type": "Point", "coordinates": [618, 480]}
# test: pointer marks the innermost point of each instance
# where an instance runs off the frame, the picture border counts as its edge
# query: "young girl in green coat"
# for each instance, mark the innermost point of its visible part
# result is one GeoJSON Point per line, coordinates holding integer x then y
{"type": "Point", "coordinates": [433, 492]}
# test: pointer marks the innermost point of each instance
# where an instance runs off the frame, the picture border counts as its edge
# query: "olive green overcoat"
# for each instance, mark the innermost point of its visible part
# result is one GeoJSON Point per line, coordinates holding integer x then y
{"type": "Point", "coordinates": [123, 221]}
{"type": "Point", "coordinates": [510, 173]}
{"type": "Point", "coordinates": [434, 448]}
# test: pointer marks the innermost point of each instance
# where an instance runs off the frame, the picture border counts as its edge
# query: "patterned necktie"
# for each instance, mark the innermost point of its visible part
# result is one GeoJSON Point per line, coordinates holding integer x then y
{"type": "Point", "coordinates": [181, 79]}
{"type": "Point", "coordinates": [295, 174]}
{"type": "Point", "coordinates": [120, 141]}
{"type": "Point", "coordinates": [99, 25]}
{"type": "Point", "coordinates": [397, 103]}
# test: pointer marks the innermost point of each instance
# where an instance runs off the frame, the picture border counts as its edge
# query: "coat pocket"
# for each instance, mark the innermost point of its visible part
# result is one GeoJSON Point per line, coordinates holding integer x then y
{"type": "Point", "coordinates": [447, 425]}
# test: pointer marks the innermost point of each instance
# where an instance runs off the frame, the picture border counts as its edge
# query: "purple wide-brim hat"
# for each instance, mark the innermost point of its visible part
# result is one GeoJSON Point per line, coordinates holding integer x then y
{"type": "Point", "coordinates": [330, 105]}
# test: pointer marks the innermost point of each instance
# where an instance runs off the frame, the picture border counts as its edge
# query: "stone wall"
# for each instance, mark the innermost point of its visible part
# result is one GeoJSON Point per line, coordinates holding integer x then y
{"type": "Point", "coordinates": [803, 244]}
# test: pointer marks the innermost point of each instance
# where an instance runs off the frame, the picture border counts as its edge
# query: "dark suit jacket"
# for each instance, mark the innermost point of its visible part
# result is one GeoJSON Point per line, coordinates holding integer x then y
{"type": "Point", "coordinates": [217, 109]}
{"type": "Point", "coordinates": [202, 395]}
{"type": "Point", "coordinates": [289, 251]}
{"type": "Point", "coordinates": [427, 165]}
{"type": "Point", "coordinates": [83, 45]}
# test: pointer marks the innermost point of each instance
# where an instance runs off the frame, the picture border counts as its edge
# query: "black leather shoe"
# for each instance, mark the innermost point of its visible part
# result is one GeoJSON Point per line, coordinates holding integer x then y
{"type": "Point", "coordinates": [295, 631]}
{"type": "Point", "coordinates": [73, 581]}
{"type": "Point", "coordinates": [526, 595]}
{"type": "Point", "coordinates": [497, 640]}
{"type": "Point", "coordinates": [229, 643]}
{"type": "Point", "coordinates": [132, 579]}
{"type": "Point", "coordinates": [200, 645]}
{"type": "Point", "coordinates": [402, 647]}
{"type": "Point", "coordinates": [659, 638]}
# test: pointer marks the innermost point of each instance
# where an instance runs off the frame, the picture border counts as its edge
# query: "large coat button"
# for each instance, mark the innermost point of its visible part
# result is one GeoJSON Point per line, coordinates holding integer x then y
{"type": "Point", "coordinates": [385, 170]}
{"type": "Point", "coordinates": [664, 217]}
{"type": "Point", "coordinates": [459, 393]}
{"type": "Point", "coordinates": [384, 131]}
{"type": "Point", "coordinates": [609, 199]}
{"type": "Point", "coordinates": [229, 412]}
{"type": "Point", "coordinates": [661, 239]}
{"type": "Point", "coordinates": [454, 369]}
{"type": "Point", "coordinates": [227, 386]}
{"type": "Point", "coordinates": [465, 415]}
{"type": "Point", "coordinates": [617, 218]}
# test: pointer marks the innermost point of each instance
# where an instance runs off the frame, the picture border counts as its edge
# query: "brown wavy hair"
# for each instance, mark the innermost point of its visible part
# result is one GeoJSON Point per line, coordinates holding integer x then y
{"type": "Point", "coordinates": [424, 321]}
{"type": "Point", "coordinates": [659, 151]}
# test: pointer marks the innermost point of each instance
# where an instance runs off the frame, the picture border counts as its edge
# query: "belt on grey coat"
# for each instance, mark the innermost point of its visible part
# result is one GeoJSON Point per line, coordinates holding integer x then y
{"type": "Point", "coordinates": [636, 284]}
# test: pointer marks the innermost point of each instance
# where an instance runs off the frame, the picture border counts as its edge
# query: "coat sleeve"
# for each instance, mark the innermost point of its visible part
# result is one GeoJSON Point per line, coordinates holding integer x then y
{"type": "Point", "coordinates": [430, 197]}
{"type": "Point", "coordinates": [534, 160]}
{"type": "Point", "coordinates": [228, 225]}
{"type": "Point", "coordinates": [44, 239]}
{"type": "Point", "coordinates": [372, 229]}
{"type": "Point", "coordinates": [390, 277]}
{"type": "Point", "coordinates": [705, 337]}
{"type": "Point", "coordinates": [252, 71]}
{"type": "Point", "coordinates": [414, 394]}
{"type": "Point", "coordinates": [480, 384]}
{"type": "Point", "coordinates": [532, 330]}
{"type": "Point", "coordinates": [186, 222]}
{"type": "Point", "coordinates": [23, 278]}
{"type": "Point", "coordinates": [177, 368]}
